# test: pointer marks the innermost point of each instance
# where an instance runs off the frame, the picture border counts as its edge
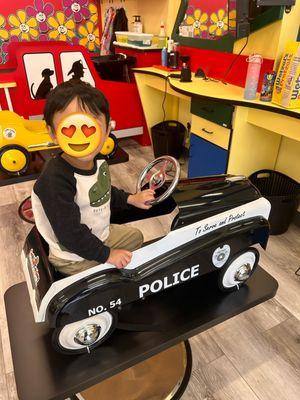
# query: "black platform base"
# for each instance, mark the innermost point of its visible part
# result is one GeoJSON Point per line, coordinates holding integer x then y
{"type": "Point", "coordinates": [39, 160]}
{"type": "Point", "coordinates": [180, 312]}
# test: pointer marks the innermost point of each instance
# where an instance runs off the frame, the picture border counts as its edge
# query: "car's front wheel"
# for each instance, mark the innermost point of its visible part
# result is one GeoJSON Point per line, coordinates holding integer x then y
{"type": "Point", "coordinates": [238, 270]}
{"type": "Point", "coordinates": [84, 335]}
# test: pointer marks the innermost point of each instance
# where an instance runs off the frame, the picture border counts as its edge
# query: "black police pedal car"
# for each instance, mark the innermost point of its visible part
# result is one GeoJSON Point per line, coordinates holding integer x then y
{"type": "Point", "coordinates": [219, 219]}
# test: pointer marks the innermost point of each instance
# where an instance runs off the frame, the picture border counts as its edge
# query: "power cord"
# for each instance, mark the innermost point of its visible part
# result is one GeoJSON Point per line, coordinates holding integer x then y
{"type": "Point", "coordinates": [165, 97]}
{"type": "Point", "coordinates": [234, 61]}
{"type": "Point", "coordinates": [207, 78]}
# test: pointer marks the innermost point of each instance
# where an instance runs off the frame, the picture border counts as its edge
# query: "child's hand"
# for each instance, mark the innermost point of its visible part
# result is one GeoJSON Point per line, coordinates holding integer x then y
{"type": "Point", "coordinates": [119, 258]}
{"type": "Point", "coordinates": [142, 199]}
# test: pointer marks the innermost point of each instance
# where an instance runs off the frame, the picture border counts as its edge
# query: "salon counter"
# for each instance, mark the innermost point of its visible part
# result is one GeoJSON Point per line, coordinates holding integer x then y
{"type": "Point", "coordinates": [229, 134]}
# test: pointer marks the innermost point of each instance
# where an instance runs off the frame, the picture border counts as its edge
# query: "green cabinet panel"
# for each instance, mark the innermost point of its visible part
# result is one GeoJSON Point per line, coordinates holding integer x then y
{"type": "Point", "coordinates": [214, 111]}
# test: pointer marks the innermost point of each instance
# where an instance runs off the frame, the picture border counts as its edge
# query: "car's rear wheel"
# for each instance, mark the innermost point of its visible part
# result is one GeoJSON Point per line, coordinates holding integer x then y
{"type": "Point", "coordinates": [110, 146]}
{"type": "Point", "coordinates": [84, 335]}
{"type": "Point", "coordinates": [238, 270]}
{"type": "Point", "coordinates": [25, 211]}
{"type": "Point", "coordinates": [14, 160]}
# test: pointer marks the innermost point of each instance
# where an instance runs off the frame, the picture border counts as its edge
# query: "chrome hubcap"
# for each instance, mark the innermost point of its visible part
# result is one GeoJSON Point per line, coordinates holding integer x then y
{"type": "Point", "coordinates": [221, 257]}
{"type": "Point", "coordinates": [87, 335]}
{"type": "Point", "coordinates": [243, 273]}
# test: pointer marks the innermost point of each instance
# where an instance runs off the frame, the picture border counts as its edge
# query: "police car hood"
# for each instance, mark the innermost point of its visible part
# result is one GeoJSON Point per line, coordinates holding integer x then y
{"type": "Point", "coordinates": [201, 198]}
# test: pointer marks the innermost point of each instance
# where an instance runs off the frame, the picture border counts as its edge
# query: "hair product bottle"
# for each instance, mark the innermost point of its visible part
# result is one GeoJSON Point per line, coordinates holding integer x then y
{"type": "Point", "coordinates": [254, 66]}
{"type": "Point", "coordinates": [137, 24]}
{"type": "Point", "coordinates": [164, 57]}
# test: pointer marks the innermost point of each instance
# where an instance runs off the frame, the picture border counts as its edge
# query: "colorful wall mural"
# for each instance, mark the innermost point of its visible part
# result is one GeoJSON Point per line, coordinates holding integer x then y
{"type": "Point", "coordinates": [209, 19]}
{"type": "Point", "coordinates": [74, 21]}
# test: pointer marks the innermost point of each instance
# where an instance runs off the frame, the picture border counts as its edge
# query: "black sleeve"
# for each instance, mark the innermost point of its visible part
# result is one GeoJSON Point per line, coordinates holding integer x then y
{"type": "Point", "coordinates": [119, 198]}
{"type": "Point", "coordinates": [57, 198]}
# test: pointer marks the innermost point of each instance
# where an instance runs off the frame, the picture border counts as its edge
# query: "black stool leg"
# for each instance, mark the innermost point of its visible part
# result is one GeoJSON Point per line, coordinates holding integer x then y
{"type": "Point", "coordinates": [188, 372]}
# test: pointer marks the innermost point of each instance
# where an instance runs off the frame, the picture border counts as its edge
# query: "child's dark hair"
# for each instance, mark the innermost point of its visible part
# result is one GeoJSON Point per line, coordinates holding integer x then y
{"type": "Point", "coordinates": [89, 98]}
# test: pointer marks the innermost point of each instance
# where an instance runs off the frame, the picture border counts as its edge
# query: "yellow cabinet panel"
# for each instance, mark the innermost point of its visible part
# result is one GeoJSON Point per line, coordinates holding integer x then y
{"type": "Point", "coordinates": [210, 131]}
{"type": "Point", "coordinates": [283, 125]}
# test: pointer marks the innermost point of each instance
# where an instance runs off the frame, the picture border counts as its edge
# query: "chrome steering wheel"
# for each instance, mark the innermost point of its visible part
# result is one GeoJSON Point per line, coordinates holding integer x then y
{"type": "Point", "coordinates": [163, 167]}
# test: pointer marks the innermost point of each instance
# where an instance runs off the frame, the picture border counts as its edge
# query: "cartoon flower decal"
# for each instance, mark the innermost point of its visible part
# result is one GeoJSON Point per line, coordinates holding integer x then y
{"type": "Point", "coordinates": [4, 35]}
{"type": "Point", "coordinates": [12, 39]}
{"type": "Point", "coordinates": [62, 28]}
{"type": "Point", "coordinates": [94, 13]}
{"type": "Point", "coordinates": [23, 27]}
{"type": "Point", "coordinates": [190, 10]}
{"type": "Point", "coordinates": [4, 49]}
{"type": "Point", "coordinates": [43, 37]}
{"type": "Point", "coordinates": [90, 36]}
{"type": "Point", "coordinates": [41, 11]}
{"type": "Point", "coordinates": [75, 41]}
{"type": "Point", "coordinates": [232, 19]}
{"type": "Point", "coordinates": [219, 23]}
{"type": "Point", "coordinates": [198, 20]}
{"type": "Point", "coordinates": [3, 59]}
{"type": "Point", "coordinates": [78, 9]}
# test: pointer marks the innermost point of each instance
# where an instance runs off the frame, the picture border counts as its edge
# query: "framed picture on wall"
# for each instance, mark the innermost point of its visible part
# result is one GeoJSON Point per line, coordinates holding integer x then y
{"type": "Point", "coordinates": [214, 24]}
{"type": "Point", "coordinates": [206, 24]}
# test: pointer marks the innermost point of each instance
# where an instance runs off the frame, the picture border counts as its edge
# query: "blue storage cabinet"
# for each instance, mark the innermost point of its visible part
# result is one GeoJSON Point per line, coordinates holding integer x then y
{"type": "Point", "coordinates": [206, 158]}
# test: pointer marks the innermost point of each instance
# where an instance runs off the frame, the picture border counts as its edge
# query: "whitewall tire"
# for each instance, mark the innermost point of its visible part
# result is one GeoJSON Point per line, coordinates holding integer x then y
{"type": "Point", "coordinates": [84, 335]}
{"type": "Point", "coordinates": [238, 270]}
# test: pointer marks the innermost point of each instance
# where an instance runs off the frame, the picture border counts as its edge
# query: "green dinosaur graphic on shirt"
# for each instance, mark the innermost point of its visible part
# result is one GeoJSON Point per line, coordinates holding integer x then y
{"type": "Point", "coordinates": [99, 194]}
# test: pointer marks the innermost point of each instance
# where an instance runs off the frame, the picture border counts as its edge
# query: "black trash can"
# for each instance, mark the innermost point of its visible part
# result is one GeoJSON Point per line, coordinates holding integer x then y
{"type": "Point", "coordinates": [284, 195]}
{"type": "Point", "coordinates": [167, 138]}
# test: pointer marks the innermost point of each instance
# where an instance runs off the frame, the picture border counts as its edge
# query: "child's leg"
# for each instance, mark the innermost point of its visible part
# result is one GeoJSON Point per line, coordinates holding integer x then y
{"type": "Point", "coordinates": [124, 237]}
{"type": "Point", "coordinates": [68, 267]}
{"type": "Point", "coordinates": [120, 237]}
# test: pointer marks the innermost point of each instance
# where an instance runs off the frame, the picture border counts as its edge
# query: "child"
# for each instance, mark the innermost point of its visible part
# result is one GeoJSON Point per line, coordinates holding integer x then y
{"type": "Point", "coordinates": [72, 198]}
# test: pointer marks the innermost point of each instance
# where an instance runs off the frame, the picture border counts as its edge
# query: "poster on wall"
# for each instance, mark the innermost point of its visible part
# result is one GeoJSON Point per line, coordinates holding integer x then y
{"type": "Point", "coordinates": [71, 21]}
{"type": "Point", "coordinates": [208, 19]}
{"type": "Point", "coordinates": [75, 67]}
{"type": "Point", "coordinates": [41, 75]}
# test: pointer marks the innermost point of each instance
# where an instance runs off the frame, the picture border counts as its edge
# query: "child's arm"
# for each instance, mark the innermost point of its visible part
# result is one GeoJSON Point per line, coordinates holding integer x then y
{"type": "Point", "coordinates": [121, 199]}
{"type": "Point", "coordinates": [56, 195]}
{"type": "Point", "coordinates": [142, 199]}
{"type": "Point", "coordinates": [119, 258]}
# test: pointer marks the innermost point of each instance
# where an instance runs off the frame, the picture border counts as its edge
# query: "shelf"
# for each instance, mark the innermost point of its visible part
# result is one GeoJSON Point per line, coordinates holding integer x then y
{"type": "Point", "coordinates": [140, 48]}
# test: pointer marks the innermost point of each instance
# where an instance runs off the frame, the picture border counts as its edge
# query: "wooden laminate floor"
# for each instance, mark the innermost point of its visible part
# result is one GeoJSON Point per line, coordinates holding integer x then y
{"type": "Point", "coordinates": [253, 356]}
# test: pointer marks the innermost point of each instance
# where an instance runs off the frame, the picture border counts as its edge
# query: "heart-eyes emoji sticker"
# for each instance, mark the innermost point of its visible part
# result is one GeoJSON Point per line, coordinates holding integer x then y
{"type": "Point", "coordinates": [79, 134]}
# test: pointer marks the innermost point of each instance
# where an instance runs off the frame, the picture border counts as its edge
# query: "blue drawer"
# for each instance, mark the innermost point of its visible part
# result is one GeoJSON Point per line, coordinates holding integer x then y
{"type": "Point", "coordinates": [206, 158]}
